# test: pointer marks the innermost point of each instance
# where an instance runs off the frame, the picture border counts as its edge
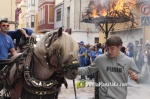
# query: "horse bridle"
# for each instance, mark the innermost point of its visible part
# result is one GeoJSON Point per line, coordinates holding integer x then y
{"type": "Point", "coordinates": [65, 67]}
{"type": "Point", "coordinates": [71, 64]}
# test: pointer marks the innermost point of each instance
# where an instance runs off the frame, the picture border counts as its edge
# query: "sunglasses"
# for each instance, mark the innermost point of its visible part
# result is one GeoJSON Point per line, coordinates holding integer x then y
{"type": "Point", "coordinates": [5, 25]}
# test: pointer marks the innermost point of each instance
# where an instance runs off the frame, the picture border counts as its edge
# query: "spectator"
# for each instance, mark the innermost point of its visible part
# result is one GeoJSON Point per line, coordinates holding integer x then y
{"type": "Point", "coordinates": [81, 54]}
{"type": "Point", "coordinates": [99, 45]}
{"type": "Point", "coordinates": [136, 49]}
{"type": "Point", "coordinates": [139, 58]}
{"type": "Point", "coordinates": [6, 44]}
{"type": "Point", "coordinates": [130, 47]}
{"type": "Point", "coordinates": [123, 50]}
{"type": "Point", "coordinates": [87, 55]}
{"type": "Point", "coordinates": [18, 34]}
{"type": "Point", "coordinates": [146, 67]}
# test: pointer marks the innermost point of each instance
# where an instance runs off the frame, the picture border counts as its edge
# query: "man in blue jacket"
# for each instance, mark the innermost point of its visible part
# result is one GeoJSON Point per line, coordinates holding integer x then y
{"type": "Point", "coordinates": [17, 34]}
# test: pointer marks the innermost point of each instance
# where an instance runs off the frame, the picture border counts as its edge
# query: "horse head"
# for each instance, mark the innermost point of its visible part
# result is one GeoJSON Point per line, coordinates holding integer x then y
{"type": "Point", "coordinates": [57, 51]}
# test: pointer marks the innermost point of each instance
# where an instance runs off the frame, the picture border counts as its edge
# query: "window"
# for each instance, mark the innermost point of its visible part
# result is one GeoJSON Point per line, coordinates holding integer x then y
{"type": "Point", "coordinates": [51, 13]}
{"type": "Point", "coordinates": [58, 15]}
{"type": "Point", "coordinates": [28, 3]}
{"type": "Point", "coordinates": [68, 17]}
{"type": "Point", "coordinates": [43, 14]}
{"type": "Point", "coordinates": [96, 40]}
{"type": "Point", "coordinates": [27, 21]}
{"type": "Point", "coordinates": [33, 2]}
{"type": "Point", "coordinates": [40, 16]}
{"type": "Point", "coordinates": [32, 21]}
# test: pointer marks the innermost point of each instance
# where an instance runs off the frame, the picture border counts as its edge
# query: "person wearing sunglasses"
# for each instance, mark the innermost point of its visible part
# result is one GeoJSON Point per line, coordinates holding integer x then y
{"type": "Point", "coordinates": [6, 42]}
{"type": "Point", "coordinates": [18, 34]}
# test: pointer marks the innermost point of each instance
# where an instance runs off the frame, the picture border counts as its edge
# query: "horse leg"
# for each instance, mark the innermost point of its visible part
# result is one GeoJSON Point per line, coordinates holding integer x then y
{"type": "Point", "coordinates": [14, 83]}
{"type": "Point", "coordinates": [15, 92]}
{"type": "Point", "coordinates": [1, 84]}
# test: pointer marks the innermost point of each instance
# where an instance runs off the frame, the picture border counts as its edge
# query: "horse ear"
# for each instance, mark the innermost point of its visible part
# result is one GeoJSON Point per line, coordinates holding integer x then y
{"type": "Point", "coordinates": [60, 32]}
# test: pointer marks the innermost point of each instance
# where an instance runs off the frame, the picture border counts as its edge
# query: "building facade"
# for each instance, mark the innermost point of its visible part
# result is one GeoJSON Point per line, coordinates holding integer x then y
{"type": "Point", "coordinates": [32, 6]}
{"type": "Point", "coordinates": [86, 32]}
{"type": "Point", "coordinates": [46, 15]}
{"type": "Point", "coordinates": [7, 9]}
{"type": "Point", "coordinates": [59, 15]}
{"type": "Point", "coordinates": [21, 14]}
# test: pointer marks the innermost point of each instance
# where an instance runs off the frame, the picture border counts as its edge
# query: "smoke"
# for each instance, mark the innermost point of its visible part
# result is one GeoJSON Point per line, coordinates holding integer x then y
{"type": "Point", "coordinates": [143, 1]}
{"type": "Point", "coordinates": [138, 91]}
{"type": "Point", "coordinates": [105, 3]}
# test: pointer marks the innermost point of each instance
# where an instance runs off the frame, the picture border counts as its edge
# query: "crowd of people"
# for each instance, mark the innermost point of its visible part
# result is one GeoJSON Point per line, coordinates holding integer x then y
{"type": "Point", "coordinates": [137, 52]}
{"type": "Point", "coordinates": [87, 54]}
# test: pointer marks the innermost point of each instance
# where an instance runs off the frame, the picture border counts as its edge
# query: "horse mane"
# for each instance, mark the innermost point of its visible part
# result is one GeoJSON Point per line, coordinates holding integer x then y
{"type": "Point", "coordinates": [65, 42]}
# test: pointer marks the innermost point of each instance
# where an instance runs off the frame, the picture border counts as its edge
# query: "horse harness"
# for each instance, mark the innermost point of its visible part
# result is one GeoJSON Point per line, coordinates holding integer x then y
{"type": "Point", "coordinates": [38, 87]}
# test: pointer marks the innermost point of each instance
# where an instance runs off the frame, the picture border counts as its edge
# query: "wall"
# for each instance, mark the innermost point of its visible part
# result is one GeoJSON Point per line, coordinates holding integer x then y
{"type": "Point", "coordinates": [58, 2]}
{"type": "Point", "coordinates": [22, 15]}
{"type": "Point", "coordinates": [130, 36]}
{"type": "Point", "coordinates": [79, 29]}
{"type": "Point", "coordinates": [86, 37]}
{"type": "Point", "coordinates": [7, 9]}
{"type": "Point", "coordinates": [58, 24]}
{"type": "Point", "coordinates": [46, 25]}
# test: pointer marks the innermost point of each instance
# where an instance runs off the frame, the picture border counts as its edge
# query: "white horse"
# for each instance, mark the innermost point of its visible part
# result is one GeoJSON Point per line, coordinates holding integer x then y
{"type": "Point", "coordinates": [44, 68]}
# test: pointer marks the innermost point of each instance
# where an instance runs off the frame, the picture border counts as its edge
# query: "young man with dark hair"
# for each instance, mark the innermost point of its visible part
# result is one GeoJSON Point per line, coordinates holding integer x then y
{"type": "Point", "coordinates": [113, 68]}
{"type": "Point", "coordinates": [6, 43]}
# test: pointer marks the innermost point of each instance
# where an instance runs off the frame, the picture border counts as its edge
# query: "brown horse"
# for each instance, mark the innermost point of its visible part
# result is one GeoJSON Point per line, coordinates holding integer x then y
{"type": "Point", "coordinates": [40, 74]}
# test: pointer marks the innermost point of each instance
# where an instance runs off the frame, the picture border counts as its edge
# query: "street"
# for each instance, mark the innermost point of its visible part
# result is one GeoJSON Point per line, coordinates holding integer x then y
{"type": "Point", "coordinates": [135, 91]}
